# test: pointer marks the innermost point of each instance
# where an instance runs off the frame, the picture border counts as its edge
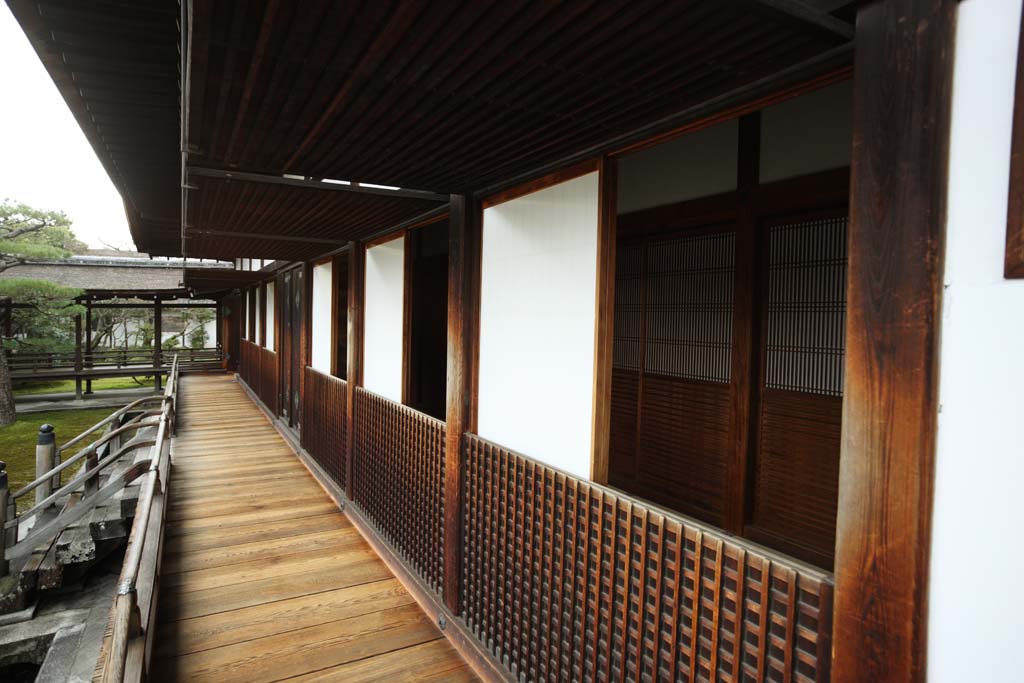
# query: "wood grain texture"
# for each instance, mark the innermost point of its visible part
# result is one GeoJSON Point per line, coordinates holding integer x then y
{"type": "Point", "coordinates": [1014, 262]}
{"type": "Point", "coordinates": [604, 320]}
{"type": "Point", "coordinates": [902, 92]}
{"type": "Point", "coordinates": [264, 579]}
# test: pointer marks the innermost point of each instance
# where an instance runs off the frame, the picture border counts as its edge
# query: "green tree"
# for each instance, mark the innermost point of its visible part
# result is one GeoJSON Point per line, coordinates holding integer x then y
{"type": "Point", "coordinates": [30, 234]}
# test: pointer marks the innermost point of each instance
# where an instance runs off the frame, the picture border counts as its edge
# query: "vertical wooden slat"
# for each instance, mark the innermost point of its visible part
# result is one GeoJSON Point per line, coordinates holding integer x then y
{"type": "Point", "coordinates": [737, 636]}
{"type": "Point", "coordinates": [902, 94]}
{"type": "Point", "coordinates": [604, 320]}
{"type": "Point", "coordinates": [698, 551]}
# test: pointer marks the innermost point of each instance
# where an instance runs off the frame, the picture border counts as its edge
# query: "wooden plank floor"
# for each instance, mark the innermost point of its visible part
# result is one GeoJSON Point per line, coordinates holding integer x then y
{"type": "Point", "coordinates": [263, 579]}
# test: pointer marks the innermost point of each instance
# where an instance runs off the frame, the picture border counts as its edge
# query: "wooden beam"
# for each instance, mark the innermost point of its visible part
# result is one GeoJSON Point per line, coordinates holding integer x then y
{"type": "Point", "coordinates": [193, 232]}
{"type": "Point", "coordinates": [810, 13]}
{"type": "Point", "coordinates": [604, 319]}
{"type": "Point", "coordinates": [902, 93]}
{"type": "Point", "coordinates": [463, 289]}
{"type": "Point", "coordinates": [354, 372]}
{"type": "Point", "coordinates": [746, 338]}
{"type": "Point", "coordinates": [312, 184]}
{"type": "Point", "coordinates": [1013, 263]}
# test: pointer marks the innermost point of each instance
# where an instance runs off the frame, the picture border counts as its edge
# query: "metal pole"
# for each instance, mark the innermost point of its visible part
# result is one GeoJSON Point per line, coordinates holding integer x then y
{"type": "Point", "coordinates": [4, 496]}
{"type": "Point", "coordinates": [46, 445]}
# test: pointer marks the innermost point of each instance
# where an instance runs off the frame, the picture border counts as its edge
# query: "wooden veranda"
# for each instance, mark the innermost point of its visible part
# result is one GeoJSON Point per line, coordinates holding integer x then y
{"type": "Point", "coordinates": [263, 577]}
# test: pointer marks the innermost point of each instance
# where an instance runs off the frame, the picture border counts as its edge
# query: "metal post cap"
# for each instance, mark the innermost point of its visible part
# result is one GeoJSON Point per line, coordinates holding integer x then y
{"type": "Point", "coordinates": [46, 435]}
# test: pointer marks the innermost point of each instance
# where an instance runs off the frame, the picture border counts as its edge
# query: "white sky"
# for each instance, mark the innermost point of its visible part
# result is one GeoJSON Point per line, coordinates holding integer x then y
{"type": "Point", "coordinates": [45, 160]}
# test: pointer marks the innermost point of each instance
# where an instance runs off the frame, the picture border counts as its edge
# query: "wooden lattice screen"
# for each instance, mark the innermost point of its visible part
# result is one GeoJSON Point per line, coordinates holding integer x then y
{"type": "Point", "coordinates": [268, 379]}
{"type": "Point", "coordinates": [324, 424]}
{"type": "Point", "coordinates": [398, 473]}
{"type": "Point", "coordinates": [671, 370]}
{"type": "Point", "coordinates": [796, 472]}
{"type": "Point", "coordinates": [564, 580]}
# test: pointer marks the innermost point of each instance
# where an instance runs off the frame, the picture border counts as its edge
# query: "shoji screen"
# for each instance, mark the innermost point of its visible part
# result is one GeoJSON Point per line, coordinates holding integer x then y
{"type": "Point", "coordinates": [671, 366]}
{"type": "Point", "coordinates": [538, 284]}
{"type": "Point", "coordinates": [271, 302]}
{"type": "Point", "coordinates": [321, 323]}
{"type": "Point", "coordinates": [383, 321]}
{"type": "Point", "coordinates": [797, 464]}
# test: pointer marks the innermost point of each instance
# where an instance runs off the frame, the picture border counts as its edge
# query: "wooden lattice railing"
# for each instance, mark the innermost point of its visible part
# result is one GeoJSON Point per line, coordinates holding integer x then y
{"type": "Point", "coordinates": [323, 421]}
{"type": "Point", "coordinates": [258, 368]}
{"type": "Point", "coordinates": [566, 580]}
{"type": "Point", "coordinates": [398, 473]}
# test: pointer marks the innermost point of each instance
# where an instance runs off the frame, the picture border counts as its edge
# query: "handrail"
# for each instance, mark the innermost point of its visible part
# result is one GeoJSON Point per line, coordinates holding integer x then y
{"type": "Point", "coordinates": [113, 416]}
{"type": "Point", "coordinates": [128, 621]}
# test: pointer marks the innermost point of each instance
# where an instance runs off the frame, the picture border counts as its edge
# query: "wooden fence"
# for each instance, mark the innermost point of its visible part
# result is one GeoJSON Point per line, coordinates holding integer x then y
{"type": "Point", "coordinates": [566, 580]}
{"type": "Point", "coordinates": [562, 579]}
{"type": "Point", "coordinates": [324, 424]}
{"type": "Point", "coordinates": [258, 368]}
{"type": "Point", "coordinates": [398, 473]}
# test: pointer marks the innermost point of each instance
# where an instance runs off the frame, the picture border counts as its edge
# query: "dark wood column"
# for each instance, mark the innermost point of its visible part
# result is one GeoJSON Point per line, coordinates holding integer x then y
{"type": "Point", "coordinates": [604, 320]}
{"type": "Point", "coordinates": [354, 369]}
{"type": "Point", "coordinates": [78, 356]}
{"type": "Point", "coordinates": [903, 74]}
{"type": "Point", "coordinates": [745, 323]}
{"type": "Point", "coordinates": [463, 314]}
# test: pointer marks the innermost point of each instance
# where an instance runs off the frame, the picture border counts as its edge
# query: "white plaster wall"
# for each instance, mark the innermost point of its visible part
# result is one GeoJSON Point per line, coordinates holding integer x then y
{"type": "Point", "coordinates": [537, 303]}
{"type": "Point", "coordinates": [695, 165]}
{"type": "Point", "coordinates": [321, 324]}
{"type": "Point", "coordinates": [807, 134]}
{"type": "Point", "coordinates": [977, 549]}
{"type": "Point", "coordinates": [271, 302]}
{"type": "Point", "coordinates": [259, 317]}
{"type": "Point", "coordinates": [245, 327]}
{"type": "Point", "coordinates": [382, 324]}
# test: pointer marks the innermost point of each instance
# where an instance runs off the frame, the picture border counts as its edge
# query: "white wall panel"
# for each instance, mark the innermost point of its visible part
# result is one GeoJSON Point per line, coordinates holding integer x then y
{"type": "Point", "coordinates": [271, 301]}
{"type": "Point", "coordinates": [698, 164]}
{"type": "Point", "coordinates": [321, 324]}
{"type": "Point", "coordinates": [538, 284]}
{"type": "Point", "coordinates": [807, 134]}
{"type": "Point", "coordinates": [973, 621]}
{"type": "Point", "coordinates": [259, 317]}
{"type": "Point", "coordinates": [382, 322]}
{"type": "Point", "coordinates": [245, 327]}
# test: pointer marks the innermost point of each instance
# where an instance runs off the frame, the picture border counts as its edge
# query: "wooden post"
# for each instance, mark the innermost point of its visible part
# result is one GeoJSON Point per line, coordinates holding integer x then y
{"type": "Point", "coordinates": [354, 370]}
{"type": "Point", "coordinates": [5, 495]}
{"type": "Point", "coordinates": [158, 331]}
{"type": "Point", "coordinates": [745, 348]}
{"type": "Point", "coordinates": [219, 333]}
{"type": "Point", "coordinates": [46, 445]}
{"type": "Point", "coordinates": [88, 343]}
{"type": "Point", "coordinates": [902, 94]}
{"type": "Point", "coordinates": [78, 356]}
{"type": "Point", "coordinates": [604, 321]}
{"type": "Point", "coordinates": [463, 290]}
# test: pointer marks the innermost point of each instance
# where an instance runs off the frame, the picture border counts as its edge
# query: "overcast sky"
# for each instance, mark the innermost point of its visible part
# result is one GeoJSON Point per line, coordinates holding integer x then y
{"type": "Point", "coordinates": [45, 160]}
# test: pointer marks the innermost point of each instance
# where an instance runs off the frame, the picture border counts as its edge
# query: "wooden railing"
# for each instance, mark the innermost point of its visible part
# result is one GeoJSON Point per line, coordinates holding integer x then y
{"type": "Point", "coordinates": [24, 365]}
{"type": "Point", "coordinates": [324, 433]}
{"type": "Point", "coordinates": [259, 369]}
{"type": "Point", "coordinates": [566, 580]}
{"type": "Point", "coordinates": [562, 579]}
{"type": "Point", "coordinates": [94, 459]}
{"type": "Point", "coordinates": [134, 610]}
{"type": "Point", "coordinates": [398, 475]}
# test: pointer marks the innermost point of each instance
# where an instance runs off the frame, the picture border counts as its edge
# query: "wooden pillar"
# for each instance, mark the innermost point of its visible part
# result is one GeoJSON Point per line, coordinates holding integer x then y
{"type": "Point", "coordinates": [158, 330]}
{"type": "Point", "coordinates": [354, 369]}
{"type": "Point", "coordinates": [88, 343]}
{"type": "Point", "coordinates": [604, 321]}
{"type": "Point", "coordinates": [463, 292]}
{"type": "Point", "coordinates": [745, 322]}
{"type": "Point", "coordinates": [902, 89]}
{"type": "Point", "coordinates": [78, 356]}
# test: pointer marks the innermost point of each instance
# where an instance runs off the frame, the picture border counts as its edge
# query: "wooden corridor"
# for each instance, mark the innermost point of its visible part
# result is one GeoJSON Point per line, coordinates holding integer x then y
{"type": "Point", "coordinates": [263, 579]}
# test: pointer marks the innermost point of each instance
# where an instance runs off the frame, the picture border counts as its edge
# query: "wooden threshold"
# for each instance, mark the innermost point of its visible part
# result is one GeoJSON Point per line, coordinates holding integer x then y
{"type": "Point", "coordinates": [264, 578]}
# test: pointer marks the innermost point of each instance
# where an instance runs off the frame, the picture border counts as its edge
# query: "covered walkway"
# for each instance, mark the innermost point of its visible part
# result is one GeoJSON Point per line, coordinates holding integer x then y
{"type": "Point", "coordinates": [263, 579]}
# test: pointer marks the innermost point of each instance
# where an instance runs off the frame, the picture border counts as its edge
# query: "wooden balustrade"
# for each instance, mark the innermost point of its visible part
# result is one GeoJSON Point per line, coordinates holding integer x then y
{"type": "Point", "coordinates": [398, 478]}
{"type": "Point", "coordinates": [268, 378]}
{"type": "Point", "coordinates": [566, 580]}
{"type": "Point", "coordinates": [323, 423]}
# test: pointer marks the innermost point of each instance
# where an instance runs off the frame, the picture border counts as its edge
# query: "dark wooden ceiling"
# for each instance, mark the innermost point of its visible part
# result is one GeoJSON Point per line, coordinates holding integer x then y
{"type": "Point", "coordinates": [439, 96]}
